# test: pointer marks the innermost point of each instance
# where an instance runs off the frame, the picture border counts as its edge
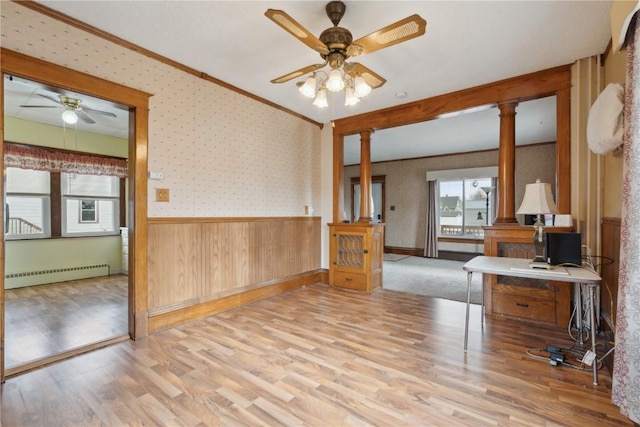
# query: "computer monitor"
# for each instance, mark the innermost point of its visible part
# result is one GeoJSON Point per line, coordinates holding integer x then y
{"type": "Point", "coordinates": [563, 248]}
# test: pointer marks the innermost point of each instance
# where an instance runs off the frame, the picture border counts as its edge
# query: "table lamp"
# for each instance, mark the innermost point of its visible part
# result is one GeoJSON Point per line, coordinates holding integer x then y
{"type": "Point", "coordinates": [538, 201]}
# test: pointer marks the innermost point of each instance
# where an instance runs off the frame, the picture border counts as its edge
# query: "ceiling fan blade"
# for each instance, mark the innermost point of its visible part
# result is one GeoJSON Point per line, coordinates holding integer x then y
{"type": "Point", "coordinates": [296, 30]}
{"type": "Point", "coordinates": [374, 80]}
{"type": "Point", "coordinates": [50, 98]}
{"type": "Point", "coordinates": [40, 106]}
{"type": "Point", "coordinates": [297, 73]}
{"type": "Point", "coordinates": [83, 116]}
{"type": "Point", "coordinates": [401, 31]}
{"type": "Point", "coordinates": [104, 113]}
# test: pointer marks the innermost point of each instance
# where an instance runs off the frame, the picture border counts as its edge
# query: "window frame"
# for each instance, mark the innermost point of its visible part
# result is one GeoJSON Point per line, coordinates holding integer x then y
{"type": "Point", "coordinates": [54, 211]}
{"type": "Point", "coordinates": [65, 198]}
{"type": "Point", "coordinates": [46, 217]}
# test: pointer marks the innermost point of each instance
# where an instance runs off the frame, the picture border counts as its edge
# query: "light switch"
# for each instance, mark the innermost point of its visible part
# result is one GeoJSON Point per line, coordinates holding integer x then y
{"type": "Point", "coordinates": [156, 175]}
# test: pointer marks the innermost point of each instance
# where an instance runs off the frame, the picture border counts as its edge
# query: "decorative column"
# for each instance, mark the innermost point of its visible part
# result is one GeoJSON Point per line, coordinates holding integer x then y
{"type": "Point", "coordinates": [507, 165]}
{"type": "Point", "coordinates": [356, 249]}
{"type": "Point", "coordinates": [365, 176]}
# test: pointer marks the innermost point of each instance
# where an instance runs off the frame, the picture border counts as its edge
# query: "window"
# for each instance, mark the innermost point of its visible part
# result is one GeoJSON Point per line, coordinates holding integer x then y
{"type": "Point", "coordinates": [90, 204]}
{"type": "Point", "coordinates": [28, 204]}
{"type": "Point", "coordinates": [465, 206]}
{"type": "Point", "coordinates": [81, 205]}
{"type": "Point", "coordinates": [88, 211]}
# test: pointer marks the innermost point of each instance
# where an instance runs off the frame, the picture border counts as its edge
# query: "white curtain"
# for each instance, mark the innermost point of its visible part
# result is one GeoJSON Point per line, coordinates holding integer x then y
{"type": "Point", "coordinates": [431, 235]}
{"type": "Point", "coordinates": [626, 365]}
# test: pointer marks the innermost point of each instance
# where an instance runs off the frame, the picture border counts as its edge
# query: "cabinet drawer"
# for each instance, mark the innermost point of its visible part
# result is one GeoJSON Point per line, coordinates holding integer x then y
{"type": "Point", "coordinates": [541, 310]}
{"type": "Point", "coordinates": [350, 280]}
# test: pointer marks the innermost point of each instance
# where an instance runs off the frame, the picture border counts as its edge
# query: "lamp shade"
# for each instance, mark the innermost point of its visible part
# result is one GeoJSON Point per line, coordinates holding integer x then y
{"type": "Point", "coordinates": [321, 99]}
{"type": "Point", "coordinates": [538, 200]}
{"type": "Point", "coordinates": [335, 82]}
{"type": "Point", "coordinates": [350, 97]}
{"type": "Point", "coordinates": [362, 88]}
{"type": "Point", "coordinates": [308, 89]}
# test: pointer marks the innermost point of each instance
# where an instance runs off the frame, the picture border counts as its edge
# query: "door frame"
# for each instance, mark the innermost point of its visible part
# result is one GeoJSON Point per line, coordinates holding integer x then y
{"type": "Point", "coordinates": [376, 179]}
{"type": "Point", "coordinates": [21, 65]}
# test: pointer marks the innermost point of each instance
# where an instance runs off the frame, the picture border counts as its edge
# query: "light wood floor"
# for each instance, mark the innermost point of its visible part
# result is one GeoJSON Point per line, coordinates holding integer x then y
{"type": "Point", "coordinates": [46, 320]}
{"type": "Point", "coordinates": [319, 356]}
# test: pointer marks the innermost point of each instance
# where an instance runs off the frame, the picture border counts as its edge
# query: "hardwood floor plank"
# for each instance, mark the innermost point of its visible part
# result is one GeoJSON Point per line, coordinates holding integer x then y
{"type": "Point", "coordinates": [320, 356]}
{"type": "Point", "coordinates": [46, 320]}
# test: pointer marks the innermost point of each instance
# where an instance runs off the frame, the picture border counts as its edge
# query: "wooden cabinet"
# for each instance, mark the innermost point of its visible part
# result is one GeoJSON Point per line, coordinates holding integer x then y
{"type": "Point", "coordinates": [356, 251]}
{"type": "Point", "coordinates": [540, 301]}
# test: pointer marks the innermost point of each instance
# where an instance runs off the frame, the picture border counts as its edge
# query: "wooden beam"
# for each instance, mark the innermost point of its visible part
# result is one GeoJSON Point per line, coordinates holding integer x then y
{"type": "Point", "coordinates": [522, 88]}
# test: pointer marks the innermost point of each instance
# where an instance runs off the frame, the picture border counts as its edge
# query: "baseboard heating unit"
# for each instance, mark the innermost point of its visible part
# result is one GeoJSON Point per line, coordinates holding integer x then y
{"type": "Point", "coordinates": [52, 275]}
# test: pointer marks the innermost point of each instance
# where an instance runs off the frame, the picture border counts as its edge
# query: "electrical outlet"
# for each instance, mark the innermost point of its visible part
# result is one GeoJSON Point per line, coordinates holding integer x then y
{"type": "Point", "coordinates": [162, 194]}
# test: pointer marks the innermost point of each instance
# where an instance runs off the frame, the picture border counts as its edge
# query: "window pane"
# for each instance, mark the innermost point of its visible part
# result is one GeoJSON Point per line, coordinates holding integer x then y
{"type": "Point", "coordinates": [88, 212]}
{"type": "Point", "coordinates": [451, 197]}
{"type": "Point", "coordinates": [464, 207]}
{"type": "Point", "coordinates": [90, 185]}
{"type": "Point", "coordinates": [27, 181]}
{"type": "Point", "coordinates": [27, 216]}
{"type": "Point", "coordinates": [477, 206]}
{"type": "Point", "coordinates": [103, 219]}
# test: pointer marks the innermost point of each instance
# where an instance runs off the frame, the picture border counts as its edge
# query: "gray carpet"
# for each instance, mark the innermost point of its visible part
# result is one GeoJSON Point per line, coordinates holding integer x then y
{"type": "Point", "coordinates": [431, 277]}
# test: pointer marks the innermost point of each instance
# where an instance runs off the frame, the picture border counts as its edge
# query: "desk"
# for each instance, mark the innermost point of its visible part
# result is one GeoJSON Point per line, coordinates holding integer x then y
{"type": "Point", "coordinates": [519, 267]}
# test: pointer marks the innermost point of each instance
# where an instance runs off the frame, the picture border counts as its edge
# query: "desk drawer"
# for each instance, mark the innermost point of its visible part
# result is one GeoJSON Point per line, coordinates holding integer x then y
{"type": "Point", "coordinates": [350, 280]}
{"type": "Point", "coordinates": [541, 310]}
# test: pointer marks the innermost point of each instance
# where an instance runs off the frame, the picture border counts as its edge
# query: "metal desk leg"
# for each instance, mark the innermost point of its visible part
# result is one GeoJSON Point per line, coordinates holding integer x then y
{"type": "Point", "coordinates": [594, 329]}
{"type": "Point", "coordinates": [481, 301]}
{"type": "Point", "coordinates": [579, 324]}
{"type": "Point", "coordinates": [466, 322]}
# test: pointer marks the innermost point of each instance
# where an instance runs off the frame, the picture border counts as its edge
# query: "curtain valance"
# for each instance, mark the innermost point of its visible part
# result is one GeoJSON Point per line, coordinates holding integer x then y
{"type": "Point", "coordinates": [42, 159]}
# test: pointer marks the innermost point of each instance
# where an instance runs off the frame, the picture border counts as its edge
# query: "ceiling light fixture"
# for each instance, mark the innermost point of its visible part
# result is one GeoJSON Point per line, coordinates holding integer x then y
{"type": "Point", "coordinates": [70, 117]}
{"type": "Point", "coordinates": [335, 45]}
{"type": "Point", "coordinates": [317, 85]}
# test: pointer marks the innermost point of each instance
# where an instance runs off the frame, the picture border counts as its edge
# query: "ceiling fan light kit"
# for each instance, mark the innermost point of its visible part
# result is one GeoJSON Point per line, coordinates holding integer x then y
{"type": "Point", "coordinates": [69, 117]}
{"type": "Point", "coordinates": [335, 45]}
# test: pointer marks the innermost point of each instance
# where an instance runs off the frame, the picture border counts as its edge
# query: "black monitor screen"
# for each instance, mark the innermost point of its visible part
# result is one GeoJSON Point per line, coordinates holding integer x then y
{"type": "Point", "coordinates": [563, 248]}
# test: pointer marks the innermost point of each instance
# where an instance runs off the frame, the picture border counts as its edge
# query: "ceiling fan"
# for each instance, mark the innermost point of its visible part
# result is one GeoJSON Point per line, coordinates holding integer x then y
{"type": "Point", "coordinates": [335, 45]}
{"type": "Point", "coordinates": [72, 109]}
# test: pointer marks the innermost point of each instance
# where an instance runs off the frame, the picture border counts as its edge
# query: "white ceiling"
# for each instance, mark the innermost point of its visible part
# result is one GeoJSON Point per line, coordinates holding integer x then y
{"type": "Point", "coordinates": [19, 92]}
{"type": "Point", "coordinates": [466, 44]}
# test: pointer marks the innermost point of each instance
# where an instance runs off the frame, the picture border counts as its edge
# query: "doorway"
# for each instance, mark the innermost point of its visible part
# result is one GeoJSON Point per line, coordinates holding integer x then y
{"type": "Point", "coordinates": [377, 196]}
{"type": "Point", "coordinates": [135, 188]}
{"type": "Point", "coordinates": [65, 180]}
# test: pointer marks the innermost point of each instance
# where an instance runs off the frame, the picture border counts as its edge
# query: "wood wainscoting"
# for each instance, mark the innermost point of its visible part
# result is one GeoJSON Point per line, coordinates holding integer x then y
{"type": "Point", "coordinates": [201, 266]}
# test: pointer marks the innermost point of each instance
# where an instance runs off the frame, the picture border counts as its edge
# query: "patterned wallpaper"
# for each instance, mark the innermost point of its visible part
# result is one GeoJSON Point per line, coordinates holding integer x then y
{"type": "Point", "coordinates": [221, 153]}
